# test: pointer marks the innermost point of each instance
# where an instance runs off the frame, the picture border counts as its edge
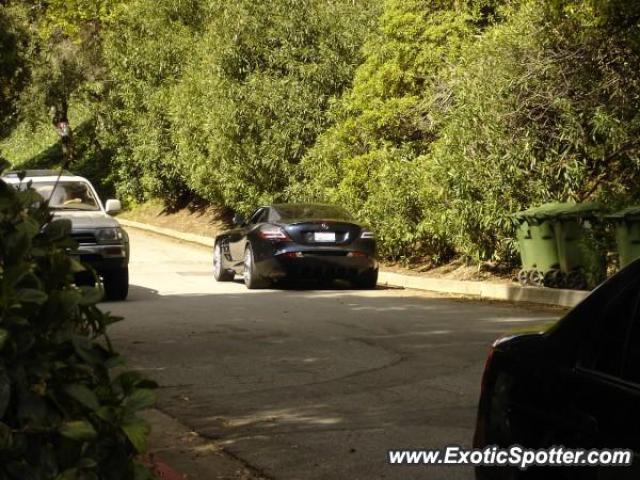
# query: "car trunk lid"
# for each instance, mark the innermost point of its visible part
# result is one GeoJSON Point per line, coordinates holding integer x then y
{"type": "Point", "coordinates": [323, 232]}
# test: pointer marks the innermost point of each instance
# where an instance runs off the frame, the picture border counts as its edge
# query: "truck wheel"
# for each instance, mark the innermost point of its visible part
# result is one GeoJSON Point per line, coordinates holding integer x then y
{"type": "Point", "coordinates": [116, 284]}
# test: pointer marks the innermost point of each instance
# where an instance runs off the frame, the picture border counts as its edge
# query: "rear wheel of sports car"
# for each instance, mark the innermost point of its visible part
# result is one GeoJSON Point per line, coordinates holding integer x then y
{"type": "Point", "coordinates": [368, 280]}
{"type": "Point", "coordinates": [251, 278]}
{"type": "Point", "coordinates": [116, 284]}
{"type": "Point", "coordinates": [220, 273]}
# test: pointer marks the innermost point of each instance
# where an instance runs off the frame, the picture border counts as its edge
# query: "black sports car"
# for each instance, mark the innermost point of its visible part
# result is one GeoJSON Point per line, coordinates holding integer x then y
{"type": "Point", "coordinates": [311, 241]}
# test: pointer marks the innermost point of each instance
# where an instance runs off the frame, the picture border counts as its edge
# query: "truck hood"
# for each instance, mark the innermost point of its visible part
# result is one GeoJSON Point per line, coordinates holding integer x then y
{"type": "Point", "coordinates": [88, 220]}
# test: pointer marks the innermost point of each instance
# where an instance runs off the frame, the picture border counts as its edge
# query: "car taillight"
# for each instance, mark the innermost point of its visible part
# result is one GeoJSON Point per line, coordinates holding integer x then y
{"type": "Point", "coordinates": [487, 366]}
{"type": "Point", "coordinates": [480, 434]}
{"type": "Point", "coordinates": [367, 234]}
{"type": "Point", "coordinates": [291, 255]}
{"type": "Point", "coordinates": [273, 233]}
{"type": "Point", "coordinates": [356, 254]}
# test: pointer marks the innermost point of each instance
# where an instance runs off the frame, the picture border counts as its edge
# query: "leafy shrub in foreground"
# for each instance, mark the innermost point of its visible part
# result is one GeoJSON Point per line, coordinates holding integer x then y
{"type": "Point", "coordinates": [62, 414]}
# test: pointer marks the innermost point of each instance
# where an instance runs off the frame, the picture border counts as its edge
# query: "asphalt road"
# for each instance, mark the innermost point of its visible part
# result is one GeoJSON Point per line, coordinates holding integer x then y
{"type": "Point", "coordinates": [308, 384]}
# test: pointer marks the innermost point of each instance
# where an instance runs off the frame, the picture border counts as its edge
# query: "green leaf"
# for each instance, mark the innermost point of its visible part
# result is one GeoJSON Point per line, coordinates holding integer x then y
{"type": "Point", "coordinates": [58, 229]}
{"type": "Point", "coordinates": [141, 472]}
{"type": "Point", "coordinates": [83, 395]}
{"type": "Point", "coordinates": [137, 431]}
{"type": "Point", "coordinates": [87, 463]}
{"type": "Point", "coordinates": [76, 266]}
{"type": "Point", "coordinates": [31, 295]}
{"type": "Point", "coordinates": [69, 299]}
{"type": "Point", "coordinates": [140, 399]}
{"type": "Point", "coordinates": [86, 350]}
{"type": "Point", "coordinates": [115, 361]}
{"type": "Point", "coordinates": [79, 430]}
{"type": "Point", "coordinates": [5, 393]}
{"type": "Point", "coordinates": [128, 380]}
{"type": "Point", "coordinates": [69, 474]}
{"type": "Point", "coordinates": [28, 228]}
{"type": "Point", "coordinates": [4, 336]}
{"type": "Point", "coordinates": [5, 436]}
{"type": "Point", "coordinates": [90, 295]}
{"type": "Point", "coordinates": [108, 414]}
{"type": "Point", "coordinates": [32, 408]}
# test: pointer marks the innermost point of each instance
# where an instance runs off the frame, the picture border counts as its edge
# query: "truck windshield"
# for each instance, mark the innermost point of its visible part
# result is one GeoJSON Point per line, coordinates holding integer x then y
{"type": "Point", "coordinates": [67, 195]}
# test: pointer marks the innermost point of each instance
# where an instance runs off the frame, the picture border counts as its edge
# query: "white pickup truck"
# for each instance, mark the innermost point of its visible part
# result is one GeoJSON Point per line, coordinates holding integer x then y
{"type": "Point", "coordinates": [102, 242]}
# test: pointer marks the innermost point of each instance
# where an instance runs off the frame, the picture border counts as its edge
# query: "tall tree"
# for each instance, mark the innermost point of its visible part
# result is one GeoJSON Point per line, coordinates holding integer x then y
{"type": "Point", "coordinates": [65, 54]}
{"type": "Point", "coordinates": [13, 68]}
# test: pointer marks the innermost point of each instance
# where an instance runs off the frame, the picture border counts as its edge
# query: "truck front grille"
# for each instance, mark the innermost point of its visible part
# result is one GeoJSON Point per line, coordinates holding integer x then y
{"type": "Point", "coordinates": [84, 238]}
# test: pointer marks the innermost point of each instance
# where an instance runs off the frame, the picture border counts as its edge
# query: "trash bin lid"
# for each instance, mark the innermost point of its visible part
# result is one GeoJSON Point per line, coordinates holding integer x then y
{"type": "Point", "coordinates": [626, 213]}
{"type": "Point", "coordinates": [549, 211]}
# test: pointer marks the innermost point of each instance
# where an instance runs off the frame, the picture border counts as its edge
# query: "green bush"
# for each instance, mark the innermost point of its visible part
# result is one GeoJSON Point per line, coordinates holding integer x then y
{"type": "Point", "coordinates": [145, 53]}
{"type": "Point", "coordinates": [544, 108]}
{"type": "Point", "coordinates": [370, 158]}
{"type": "Point", "coordinates": [221, 100]}
{"type": "Point", "coordinates": [466, 112]}
{"type": "Point", "coordinates": [63, 414]}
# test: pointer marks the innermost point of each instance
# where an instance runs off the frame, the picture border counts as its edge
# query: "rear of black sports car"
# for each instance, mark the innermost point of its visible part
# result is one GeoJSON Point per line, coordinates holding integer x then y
{"type": "Point", "coordinates": [315, 249]}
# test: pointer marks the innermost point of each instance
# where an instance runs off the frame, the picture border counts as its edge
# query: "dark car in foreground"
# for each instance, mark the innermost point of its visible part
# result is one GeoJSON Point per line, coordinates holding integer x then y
{"type": "Point", "coordinates": [305, 241]}
{"type": "Point", "coordinates": [575, 385]}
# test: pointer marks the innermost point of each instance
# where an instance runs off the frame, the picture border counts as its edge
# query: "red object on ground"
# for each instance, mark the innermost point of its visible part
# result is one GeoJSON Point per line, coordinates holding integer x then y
{"type": "Point", "coordinates": [161, 470]}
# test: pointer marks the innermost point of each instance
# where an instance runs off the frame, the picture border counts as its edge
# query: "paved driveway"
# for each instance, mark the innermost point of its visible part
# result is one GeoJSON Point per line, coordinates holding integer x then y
{"type": "Point", "coordinates": [309, 384]}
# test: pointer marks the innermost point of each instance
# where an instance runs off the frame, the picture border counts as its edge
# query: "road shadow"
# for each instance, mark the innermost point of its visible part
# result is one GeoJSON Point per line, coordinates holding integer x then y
{"type": "Point", "coordinates": [311, 285]}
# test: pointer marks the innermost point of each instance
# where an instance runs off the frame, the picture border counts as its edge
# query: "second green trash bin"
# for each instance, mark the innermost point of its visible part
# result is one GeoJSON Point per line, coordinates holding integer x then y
{"type": "Point", "coordinates": [627, 223]}
{"type": "Point", "coordinates": [563, 253]}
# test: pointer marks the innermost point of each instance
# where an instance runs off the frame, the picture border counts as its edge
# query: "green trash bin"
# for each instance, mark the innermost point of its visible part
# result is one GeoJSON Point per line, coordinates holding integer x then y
{"type": "Point", "coordinates": [538, 247]}
{"type": "Point", "coordinates": [539, 252]}
{"type": "Point", "coordinates": [581, 261]}
{"type": "Point", "coordinates": [575, 262]}
{"type": "Point", "coordinates": [627, 224]}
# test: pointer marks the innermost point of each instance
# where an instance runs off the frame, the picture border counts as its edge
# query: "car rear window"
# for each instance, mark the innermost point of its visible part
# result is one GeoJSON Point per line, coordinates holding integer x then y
{"type": "Point", "coordinates": [311, 211]}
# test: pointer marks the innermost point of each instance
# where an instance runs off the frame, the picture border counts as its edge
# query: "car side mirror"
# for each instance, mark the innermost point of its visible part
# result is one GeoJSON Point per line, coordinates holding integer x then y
{"type": "Point", "coordinates": [239, 220]}
{"type": "Point", "coordinates": [113, 206]}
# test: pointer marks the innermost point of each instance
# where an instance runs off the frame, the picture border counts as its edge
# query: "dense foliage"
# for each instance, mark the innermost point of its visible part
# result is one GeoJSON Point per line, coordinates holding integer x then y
{"type": "Point", "coordinates": [370, 159]}
{"type": "Point", "coordinates": [545, 107]}
{"type": "Point", "coordinates": [63, 413]}
{"type": "Point", "coordinates": [432, 120]}
{"type": "Point", "coordinates": [223, 101]}
{"type": "Point", "coordinates": [465, 112]}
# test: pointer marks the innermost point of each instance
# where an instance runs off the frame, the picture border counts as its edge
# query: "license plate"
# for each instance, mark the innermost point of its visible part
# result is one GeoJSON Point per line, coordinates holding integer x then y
{"type": "Point", "coordinates": [324, 236]}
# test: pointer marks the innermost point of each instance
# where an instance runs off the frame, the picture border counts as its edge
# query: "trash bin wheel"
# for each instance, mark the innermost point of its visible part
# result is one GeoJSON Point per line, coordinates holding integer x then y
{"type": "Point", "coordinates": [523, 277]}
{"type": "Point", "coordinates": [553, 278]}
{"type": "Point", "coordinates": [536, 278]}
